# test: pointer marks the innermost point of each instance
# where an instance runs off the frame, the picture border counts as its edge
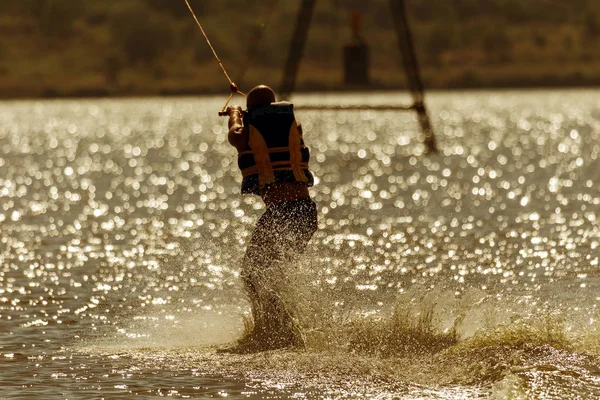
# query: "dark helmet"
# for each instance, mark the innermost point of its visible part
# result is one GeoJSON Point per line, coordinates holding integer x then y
{"type": "Point", "coordinates": [261, 94]}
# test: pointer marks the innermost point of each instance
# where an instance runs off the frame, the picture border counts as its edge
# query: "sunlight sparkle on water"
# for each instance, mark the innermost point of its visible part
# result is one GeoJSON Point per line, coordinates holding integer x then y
{"type": "Point", "coordinates": [122, 223]}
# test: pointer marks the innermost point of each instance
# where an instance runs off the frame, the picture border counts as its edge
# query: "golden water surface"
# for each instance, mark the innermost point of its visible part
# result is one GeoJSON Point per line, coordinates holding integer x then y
{"type": "Point", "coordinates": [472, 273]}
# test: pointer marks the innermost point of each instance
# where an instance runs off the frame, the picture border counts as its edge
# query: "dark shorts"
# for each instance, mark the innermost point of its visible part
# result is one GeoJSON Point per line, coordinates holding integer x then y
{"type": "Point", "coordinates": [283, 231]}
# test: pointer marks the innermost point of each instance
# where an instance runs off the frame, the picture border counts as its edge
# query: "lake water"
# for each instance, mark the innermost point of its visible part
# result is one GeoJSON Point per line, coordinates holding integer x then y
{"type": "Point", "coordinates": [469, 274]}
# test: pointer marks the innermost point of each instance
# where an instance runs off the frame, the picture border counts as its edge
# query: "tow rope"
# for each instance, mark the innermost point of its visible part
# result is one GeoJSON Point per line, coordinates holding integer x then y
{"type": "Point", "coordinates": [232, 86]}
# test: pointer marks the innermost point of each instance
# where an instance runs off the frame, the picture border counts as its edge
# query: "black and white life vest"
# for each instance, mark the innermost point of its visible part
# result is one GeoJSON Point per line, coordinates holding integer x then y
{"type": "Point", "coordinates": [275, 151]}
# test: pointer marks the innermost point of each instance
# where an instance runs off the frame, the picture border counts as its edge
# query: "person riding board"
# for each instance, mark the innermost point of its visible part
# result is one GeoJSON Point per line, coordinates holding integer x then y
{"type": "Point", "coordinates": [273, 160]}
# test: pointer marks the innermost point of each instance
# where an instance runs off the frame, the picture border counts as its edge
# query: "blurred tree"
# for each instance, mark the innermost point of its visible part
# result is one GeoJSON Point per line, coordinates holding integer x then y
{"type": "Point", "coordinates": [178, 8]}
{"type": "Point", "coordinates": [22, 7]}
{"type": "Point", "coordinates": [112, 69]}
{"type": "Point", "coordinates": [469, 33]}
{"type": "Point", "coordinates": [202, 54]}
{"type": "Point", "coordinates": [56, 17]}
{"type": "Point", "coordinates": [419, 10]}
{"type": "Point", "coordinates": [141, 34]}
{"type": "Point", "coordinates": [466, 10]}
{"type": "Point", "coordinates": [127, 32]}
{"type": "Point", "coordinates": [569, 42]}
{"type": "Point", "coordinates": [539, 39]}
{"type": "Point", "coordinates": [592, 25]}
{"type": "Point", "coordinates": [497, 45]}
{"type": "Point", "coordinates": [439, 41]}
{"type": "Point", "coordinates": [230, 47]}
{"type": "Point", "coordinates": [517, 11]}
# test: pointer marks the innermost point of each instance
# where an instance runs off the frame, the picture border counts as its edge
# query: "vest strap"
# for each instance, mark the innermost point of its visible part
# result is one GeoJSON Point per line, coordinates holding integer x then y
{"type": "Point", "coordinates": [294, 141]}
{"type": "Point", "coordinates": [261, 157]}
{"type": "Point", "coordinates": [277, 166]}
{"type": "Point", "coordinates": [270, 150]}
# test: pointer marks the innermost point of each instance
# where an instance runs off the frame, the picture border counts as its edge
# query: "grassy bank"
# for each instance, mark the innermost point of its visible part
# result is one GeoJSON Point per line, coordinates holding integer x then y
{"type": "Point", "coordinates": [61, 48]}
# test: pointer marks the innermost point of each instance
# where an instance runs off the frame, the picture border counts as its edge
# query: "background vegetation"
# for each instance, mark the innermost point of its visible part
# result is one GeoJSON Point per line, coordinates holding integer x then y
{"type": "Point", "coordinates": [147, 47]}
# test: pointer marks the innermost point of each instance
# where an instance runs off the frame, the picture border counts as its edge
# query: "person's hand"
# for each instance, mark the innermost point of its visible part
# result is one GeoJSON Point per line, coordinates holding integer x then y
{"type": "Point", "coordinates": [229, 110]}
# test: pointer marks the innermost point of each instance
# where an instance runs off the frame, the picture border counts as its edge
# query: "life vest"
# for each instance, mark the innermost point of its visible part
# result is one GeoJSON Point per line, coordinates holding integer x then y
{"type": "Point", "coordinates": [275, 151]}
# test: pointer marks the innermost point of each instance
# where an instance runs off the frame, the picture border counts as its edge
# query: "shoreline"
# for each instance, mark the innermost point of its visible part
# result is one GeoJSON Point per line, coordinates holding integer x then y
{"type": "Point", "coordinates": [81, 93]}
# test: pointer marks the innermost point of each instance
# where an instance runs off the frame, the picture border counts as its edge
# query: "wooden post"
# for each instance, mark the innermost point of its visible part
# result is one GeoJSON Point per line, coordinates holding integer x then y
{"type": "Point", "coordinates": [288, 83]}
{"type": "Point", "coordinates": [407, 51]}
{"type": "Point", "coordinates": [411, 68]}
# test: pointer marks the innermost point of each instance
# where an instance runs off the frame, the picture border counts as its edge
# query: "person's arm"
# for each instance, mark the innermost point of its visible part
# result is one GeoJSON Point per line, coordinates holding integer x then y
{"type": "Point", "coordinates": [238, 134]}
